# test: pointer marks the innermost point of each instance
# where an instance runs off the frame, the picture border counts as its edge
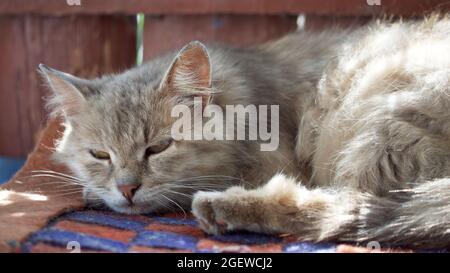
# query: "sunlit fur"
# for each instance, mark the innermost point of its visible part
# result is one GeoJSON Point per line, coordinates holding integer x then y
{"type": "Point", "coordinates": [364, 129]}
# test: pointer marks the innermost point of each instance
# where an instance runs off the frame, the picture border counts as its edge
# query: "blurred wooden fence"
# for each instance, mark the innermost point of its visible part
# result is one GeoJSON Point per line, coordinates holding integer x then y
{"type": "Point", "coordinates": [99, 36]}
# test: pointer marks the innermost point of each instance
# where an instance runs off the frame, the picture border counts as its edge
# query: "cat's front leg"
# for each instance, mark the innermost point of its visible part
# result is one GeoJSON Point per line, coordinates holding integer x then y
{"type": "Point", "coordinates": [281, 206]}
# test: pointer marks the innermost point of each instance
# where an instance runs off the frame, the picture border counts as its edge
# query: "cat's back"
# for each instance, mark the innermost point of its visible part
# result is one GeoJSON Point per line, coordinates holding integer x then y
{"type": "Point", "coordinates": [384, 53]}
{"type": "Point", "coordinates": [385, 82]}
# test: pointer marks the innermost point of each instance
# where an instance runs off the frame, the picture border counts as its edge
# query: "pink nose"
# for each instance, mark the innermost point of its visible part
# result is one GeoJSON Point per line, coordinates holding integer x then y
{"type": "Point", "coordinates": [128, 191]}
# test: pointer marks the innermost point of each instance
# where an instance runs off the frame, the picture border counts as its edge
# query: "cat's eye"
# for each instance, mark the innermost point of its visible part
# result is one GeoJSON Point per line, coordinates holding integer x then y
{"type": "Point", "coordinates": [156, 149]}
{"type": "Point", "coordinates": [100, 154]}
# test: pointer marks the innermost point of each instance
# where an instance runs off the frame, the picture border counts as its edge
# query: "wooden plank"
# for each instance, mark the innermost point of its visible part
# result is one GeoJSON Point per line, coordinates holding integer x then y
{"type": "Point", "coordinates": [158, 7]}
{"type": "Point", "coordinates": [10, 134]}
{"type": "Point", "coordinates": [83, 45]}
{"type": "Point", "coordinates": [317, 22]}
{"type": "Point", "coordinates": [166, 33]}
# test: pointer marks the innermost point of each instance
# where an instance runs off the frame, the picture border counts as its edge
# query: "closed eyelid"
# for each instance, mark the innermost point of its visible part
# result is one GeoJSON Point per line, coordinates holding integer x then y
{"type": "Point", "coordinates": [100, 155]}
{"type": "Point", "coordinates": [158, 139]}
{"type": "Point", "coordinates": [159, 147]}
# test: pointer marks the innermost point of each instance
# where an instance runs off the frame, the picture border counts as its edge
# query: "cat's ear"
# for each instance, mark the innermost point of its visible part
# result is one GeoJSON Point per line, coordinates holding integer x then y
{"type": "Point", "coordinates": [69, 91]}
{"type": "Point", "coordinates": [189, 75]}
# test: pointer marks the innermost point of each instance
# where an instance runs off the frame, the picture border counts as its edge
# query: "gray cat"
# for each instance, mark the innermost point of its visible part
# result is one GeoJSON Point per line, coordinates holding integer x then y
{"type": "Point", "coordinates": [364, 136]}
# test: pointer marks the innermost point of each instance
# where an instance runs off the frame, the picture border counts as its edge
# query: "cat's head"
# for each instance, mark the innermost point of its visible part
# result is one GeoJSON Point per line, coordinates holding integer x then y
{"type": "Point", "coordinates": [117, 138]}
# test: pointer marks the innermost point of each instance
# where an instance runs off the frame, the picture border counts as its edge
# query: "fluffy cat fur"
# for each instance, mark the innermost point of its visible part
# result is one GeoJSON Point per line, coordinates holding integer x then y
{"type": "Point", "coordinates": [364, 138]}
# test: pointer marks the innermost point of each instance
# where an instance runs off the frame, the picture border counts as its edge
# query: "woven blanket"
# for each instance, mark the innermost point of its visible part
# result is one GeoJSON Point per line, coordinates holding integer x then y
{"type": "Point", "coordinates": [104, 231]}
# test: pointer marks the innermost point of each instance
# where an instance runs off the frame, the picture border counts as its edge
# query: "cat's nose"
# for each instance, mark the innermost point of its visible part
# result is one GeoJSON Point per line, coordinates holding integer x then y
{"type": "Point", "coordinates": [128, 191]}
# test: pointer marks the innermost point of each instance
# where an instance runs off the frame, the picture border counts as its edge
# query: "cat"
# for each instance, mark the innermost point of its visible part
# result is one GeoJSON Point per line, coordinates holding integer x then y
{"type": "Point", "coordinates": [364, 137]}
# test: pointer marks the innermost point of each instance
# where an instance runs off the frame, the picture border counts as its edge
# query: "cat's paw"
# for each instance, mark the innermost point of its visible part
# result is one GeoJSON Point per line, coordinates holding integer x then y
{"type": "Point", "coordinates": [212, 210]}
{"type": "Point", "coordinates": [234, 209]}
{"type": "Point", "coordinates": [204, 210]}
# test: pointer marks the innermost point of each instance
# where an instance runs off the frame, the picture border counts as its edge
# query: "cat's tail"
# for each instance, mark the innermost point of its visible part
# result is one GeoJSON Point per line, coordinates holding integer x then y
{"type": "Point", "coordinates": [418, 217]}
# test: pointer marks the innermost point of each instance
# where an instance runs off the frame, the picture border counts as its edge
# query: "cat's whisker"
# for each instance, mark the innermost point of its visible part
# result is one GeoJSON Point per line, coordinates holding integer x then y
{"type": "Point", "coordinates": [197, 184]}
{"type": "Point", "coordinates": [212, 176]}
{"type": "Point", "coordinates": [201, 183]}
{"type": "Point", "coordinates": [97, 200]}
{"type": "Point", "coordinates": [160, 203]}
{"type": "Point", "coordinates": [53, 172]}
{"type": "Point", "coordinates": [56, 185]}
{"type": "Point", "coordinates": [63, 194]}
{"type": "Point", "coordinates": [56, 173]}
{"type": "Point", "coordinates": [59, 184]}
{"type": "Point", "coordinates": [55, 176]}
{"type": "Point", "coordinates": [92, 198]}
{"type": "Point", "coordinates": [169, 207]}
{"type": "Point", "coordinates": [61, 191]}
{"type": "Point", "coordinates": [180, 193]}
{"type": "Point", "coordinates": [59, 178]}
{"type": "Point", "coordinates": [64, 190]}
{"type": "Point", "coordinates": [202, 187]}
{"type": "Point", "coordinates": [178, 205]}
{"type": "Point", "coordinates": [217, 178]}
{"type": "Point", "coordinates": [204, 182]}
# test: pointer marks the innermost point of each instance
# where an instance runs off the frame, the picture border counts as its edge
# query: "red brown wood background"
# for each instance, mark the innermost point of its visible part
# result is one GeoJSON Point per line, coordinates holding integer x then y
{"type": "Point", "coordinates": [261, 7]}
{"type": "Point", "coordinates": [99, 37]}
{"type": "Point", "coordinates": [165, 33]}
{"type": "Point", "coordinates": [84, 45]}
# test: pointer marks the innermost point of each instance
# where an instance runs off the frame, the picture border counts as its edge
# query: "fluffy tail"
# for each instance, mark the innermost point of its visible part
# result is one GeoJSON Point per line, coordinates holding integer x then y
{"type": "Point", "coordinates": [419, 217]}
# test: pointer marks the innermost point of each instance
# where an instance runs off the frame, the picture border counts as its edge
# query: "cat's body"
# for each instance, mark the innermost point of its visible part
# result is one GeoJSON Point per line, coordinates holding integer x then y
{"type": "Point", "coordinates": [364, 128]}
